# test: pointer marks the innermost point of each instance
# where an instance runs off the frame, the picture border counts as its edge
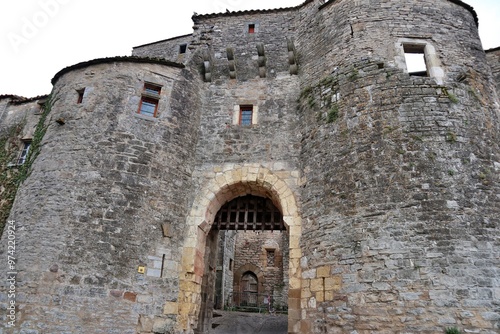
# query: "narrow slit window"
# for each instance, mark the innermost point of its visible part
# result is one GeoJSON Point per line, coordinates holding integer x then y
{"type": "Point", "coordinates": [80, 95]}
{"type": "Point", "coordinates": [251, 28]}
{"type": "Point", "coordinates": [270, 257]}
{"type": "Point", "coordinates": [415, 60]}
{"type": "Point", "coordinates": [182, 48]}
{"type": "Point", "coordinates": [246, 115]}
{"type": "Point", "coordinates": [24, 153]}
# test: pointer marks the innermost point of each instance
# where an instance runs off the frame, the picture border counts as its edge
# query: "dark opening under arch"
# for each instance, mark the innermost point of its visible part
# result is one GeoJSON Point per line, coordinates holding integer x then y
{"type": "Point", "coordinates": [249, 213]}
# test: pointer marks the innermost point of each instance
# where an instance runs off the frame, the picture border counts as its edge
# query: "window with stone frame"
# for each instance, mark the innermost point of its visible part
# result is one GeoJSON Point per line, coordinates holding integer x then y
{"type": "Point", "coordinates": [418, 57]}
{"type": "Point", "coordinates": [246, 115]}
{"type": "Point", "coordinates": [148, 105]}
{"type": "Point", "coordinates": [415, 60]}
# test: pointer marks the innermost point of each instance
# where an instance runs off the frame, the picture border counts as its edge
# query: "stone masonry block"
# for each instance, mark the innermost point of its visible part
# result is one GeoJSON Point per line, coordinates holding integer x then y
{"type": "Point", "coordinates": [309, 274]}
{"type": "Point", "coordinates": [220, 181]}
{"type": "Point", "coordinates": [271, 178]}
{"type": "Point", "coordinates": [294, 293]}
{"type": "Point", "coordinates": [294, 241]}
{"type": "Point", "coordinates": [295, 253]}
{"type": "Point", "coordinates": [188, 257]}
{"type": "Point", "coordinates": [236, 174]}
{"type": "Point", "coordinates": [130, 296]}
{"type": "Point", "coordinates": [251, 177]}
{"type": "Point", "coordinates": [294, 283]}
{"type": "Point", "coordinates": [151, 272]}
{"type": "Point", "coordinates": [171, 308]}
{"type": "Point", "coordinates": [323, 271]}
{"type": "Point", "coordinates": [333, 283]}
{"type": "Point", "coordinates": [189, 286]}
{"type": "Point", "coordinates": [317, 284]}
{"type": "Point", "coordinates": [146, 324]}
{"type": "Point", "coordinates": [329, 295]}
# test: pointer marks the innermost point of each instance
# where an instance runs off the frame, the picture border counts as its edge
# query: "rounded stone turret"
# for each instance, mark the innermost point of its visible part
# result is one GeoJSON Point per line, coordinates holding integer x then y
{"type": "Point", "coordinates": [107, 189]}
{"type": "Point", "coordinates": [399, 206]}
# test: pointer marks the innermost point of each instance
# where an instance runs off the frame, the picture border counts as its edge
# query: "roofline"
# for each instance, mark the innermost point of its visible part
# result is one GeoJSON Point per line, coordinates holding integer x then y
{"type": "Point", "coordinates": [250, 11]}
{"type": "Point", "coordinates": [31, 99]}
{"type": "Point", "coordinates": [469, 8]}
{"type": "Point", "coordinates": [163, 40]}
{"type": "Point", "coordinates": [16, 99]}
{"type": "Point", "coordinates": [123, 59]}
{"type": "Point", "coordinates": [256, 11]}
{"type": "Point", "coordinates": [493, 49]}
{"type": "Point", "coordinates": [12, 97]}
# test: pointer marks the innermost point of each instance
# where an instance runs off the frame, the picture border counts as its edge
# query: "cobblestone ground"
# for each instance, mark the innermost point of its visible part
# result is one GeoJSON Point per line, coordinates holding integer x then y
{"type": "Point", "coordinates": [248, 323]}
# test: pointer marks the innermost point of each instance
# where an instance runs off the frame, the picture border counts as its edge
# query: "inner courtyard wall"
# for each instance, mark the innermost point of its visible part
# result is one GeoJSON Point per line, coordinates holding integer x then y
{"type": "Point", "coordinates": [252, 248]}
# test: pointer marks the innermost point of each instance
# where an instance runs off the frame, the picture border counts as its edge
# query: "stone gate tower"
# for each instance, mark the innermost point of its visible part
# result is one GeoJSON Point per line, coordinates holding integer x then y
{"type": "Point", "coordinates": [386, 178]}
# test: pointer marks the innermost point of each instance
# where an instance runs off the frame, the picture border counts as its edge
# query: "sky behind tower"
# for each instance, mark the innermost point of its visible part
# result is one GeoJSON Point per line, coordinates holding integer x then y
{"type": "Point", "coordinates": [40, 37]}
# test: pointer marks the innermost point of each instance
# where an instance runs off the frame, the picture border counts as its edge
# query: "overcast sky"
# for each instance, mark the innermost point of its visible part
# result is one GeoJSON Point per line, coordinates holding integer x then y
{"type": "Point", "coordinates": [40, 37]}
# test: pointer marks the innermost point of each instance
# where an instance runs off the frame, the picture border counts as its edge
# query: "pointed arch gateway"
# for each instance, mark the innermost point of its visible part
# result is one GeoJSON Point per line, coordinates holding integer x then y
{"type": "Point", "coordinates": [223, 187]}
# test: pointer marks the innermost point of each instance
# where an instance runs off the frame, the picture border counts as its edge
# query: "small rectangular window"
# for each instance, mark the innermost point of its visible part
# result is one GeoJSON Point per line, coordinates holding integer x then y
{"type": "Point", "coordinates": [251, 28]}
{"type": "Point", "coordinates": [230, 264]}
{"type": "Point", "coordinates": [246, 114]}
{"type": "Point", "coordinates": [149, 100]}
{"type": "Point", "coordinates": [182, 48]}
{"type": "Point", "coordinates": [148, 107]}
{"type": "Point", "coordinates": [80, 95]}
{"type": "Point", "coordinates": [415, 60]}
{"type": "Point", "coordinates": [24, 153]}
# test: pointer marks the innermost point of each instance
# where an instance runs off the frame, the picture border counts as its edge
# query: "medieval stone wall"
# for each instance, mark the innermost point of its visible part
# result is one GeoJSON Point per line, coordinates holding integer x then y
{"type": "Point", "coordinates": [252, 248]}
{"type": "Point", "coordinates": [225, 268]}
{"type": "Point", "coordinates": [169, 49]}
{"type": "Point", "coordinates": [15, 111]}
{"type": "Point", "coordinates": [104, 185]}
{"type": "Point", "coordinates": [18, 120]}
{"type": "Point", "coordinates": [273, 137]}
{"type": "Point", "coordinates": [388, 182]}
{"type": "Point", "coordinates": [399, 210]}
{"type": "Point", "coordinates": [272, 140]}
{"type": "Point", "coordinates": [493, 57]}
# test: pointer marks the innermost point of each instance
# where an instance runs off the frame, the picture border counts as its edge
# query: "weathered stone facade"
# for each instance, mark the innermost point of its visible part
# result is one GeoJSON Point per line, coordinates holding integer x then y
{"type": "Point", "coordinates": [493, 57]}
{"type": "Point", "coordinates": [388, 182]}
{"type": "Point", "coordinates": [265, 254]}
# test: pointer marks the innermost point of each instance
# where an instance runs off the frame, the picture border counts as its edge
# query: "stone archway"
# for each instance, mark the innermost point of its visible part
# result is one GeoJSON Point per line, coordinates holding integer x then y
{"type": "Point", "coordinates": [224, 186]}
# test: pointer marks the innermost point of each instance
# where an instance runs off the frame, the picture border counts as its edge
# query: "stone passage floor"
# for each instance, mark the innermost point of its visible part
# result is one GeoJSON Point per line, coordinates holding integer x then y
{"type": "Point", "coordinates": [248, 323]}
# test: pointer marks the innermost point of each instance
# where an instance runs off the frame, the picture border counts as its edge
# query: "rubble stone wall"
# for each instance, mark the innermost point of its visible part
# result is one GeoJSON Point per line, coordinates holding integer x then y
{"type": "Point", "coordinates": [106, 196]}
{"type": "Point", "coordinates": [399, 211]}
{"type": "Point", "coordinates": [388, 182]}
